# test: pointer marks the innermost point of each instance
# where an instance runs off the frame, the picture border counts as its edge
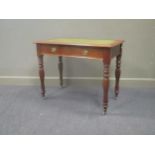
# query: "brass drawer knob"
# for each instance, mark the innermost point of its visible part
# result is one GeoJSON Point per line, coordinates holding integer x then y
{"type": "Point", "coordinates": [53, 49]}
{"type": "Point", "coordinates": [85, 52]}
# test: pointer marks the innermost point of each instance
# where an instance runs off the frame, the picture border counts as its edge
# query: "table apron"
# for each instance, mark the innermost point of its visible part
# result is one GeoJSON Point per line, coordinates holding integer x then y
{"type": "Point", "coordinates": [71, 51]}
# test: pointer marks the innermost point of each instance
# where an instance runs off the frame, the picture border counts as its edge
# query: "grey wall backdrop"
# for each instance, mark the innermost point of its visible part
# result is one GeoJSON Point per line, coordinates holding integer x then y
{"type": "Point", "coordinates": [18, 53]}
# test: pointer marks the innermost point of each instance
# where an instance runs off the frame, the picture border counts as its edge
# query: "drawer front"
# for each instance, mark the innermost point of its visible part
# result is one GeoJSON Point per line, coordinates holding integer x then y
{"type": "Point", "coordinates": [72, 51]}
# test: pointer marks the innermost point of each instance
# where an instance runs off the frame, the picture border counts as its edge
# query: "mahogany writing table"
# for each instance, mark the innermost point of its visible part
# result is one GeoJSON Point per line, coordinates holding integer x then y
{"type": "Point", "coordinates": [103, 50]}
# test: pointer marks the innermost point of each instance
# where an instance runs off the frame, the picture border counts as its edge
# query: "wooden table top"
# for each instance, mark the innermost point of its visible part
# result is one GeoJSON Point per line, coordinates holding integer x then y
{"type": "Point", "coordinates": [81, 42]}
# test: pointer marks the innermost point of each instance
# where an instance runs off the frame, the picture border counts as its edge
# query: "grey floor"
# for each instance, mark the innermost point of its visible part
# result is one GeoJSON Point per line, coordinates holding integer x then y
{"type": "Point", "coordinates": [75, 110]}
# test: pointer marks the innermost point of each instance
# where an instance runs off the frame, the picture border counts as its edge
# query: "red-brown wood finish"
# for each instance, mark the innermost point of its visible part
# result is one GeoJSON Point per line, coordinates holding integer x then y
{"type": "Point", "coordinates": [106, 82]}
{"type": "Point", "coordinates": [72, 51]}
{"type": "Point", "coordinates": [102, 53]}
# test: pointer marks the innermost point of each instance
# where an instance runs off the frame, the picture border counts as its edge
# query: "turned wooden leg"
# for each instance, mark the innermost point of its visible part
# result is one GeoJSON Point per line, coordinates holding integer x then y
{"type": "Point", "coordinates": [41, 74]}
{"type": "Point", "coordinates": [105, 86]}
{"type": "Point", "coordinates": [60, 66]}
{"type": "Point", "coordinates": [117, 74]}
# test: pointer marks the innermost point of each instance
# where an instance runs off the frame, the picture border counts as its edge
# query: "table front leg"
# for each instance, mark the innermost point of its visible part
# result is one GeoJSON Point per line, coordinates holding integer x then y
{"type": "Point", "coordinates": [117, 73]}
{"type": "Point", "coordinates": [106, 86]}
{"type": "Point", "coordinates": [60, 67]}
{"type": "Point", "coordinates": [41, 74]}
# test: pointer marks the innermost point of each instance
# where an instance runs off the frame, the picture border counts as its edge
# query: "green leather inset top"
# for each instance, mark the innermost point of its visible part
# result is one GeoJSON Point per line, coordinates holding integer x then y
{"type": "Point", "coordinates": [87, 42]}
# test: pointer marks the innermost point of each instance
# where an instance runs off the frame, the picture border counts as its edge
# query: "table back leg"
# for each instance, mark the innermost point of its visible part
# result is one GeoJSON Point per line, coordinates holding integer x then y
{"type": "Point", "coordinates": [60, 67]}
{"type": "Point", "coordinates": [117, 72]}
{"type": "Point", "coordinates": [41, 74]}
